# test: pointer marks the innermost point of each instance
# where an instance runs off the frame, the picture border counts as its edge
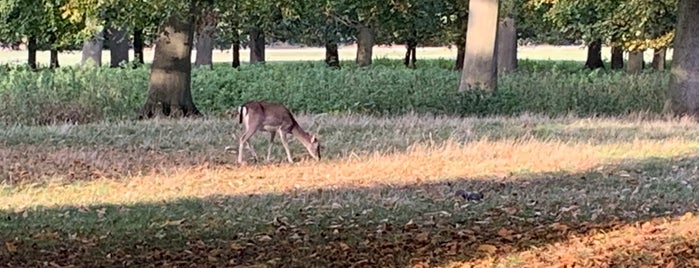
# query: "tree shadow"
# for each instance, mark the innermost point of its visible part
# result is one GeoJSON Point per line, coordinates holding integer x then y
{"type": "Point", "coordinates": [399, 225]}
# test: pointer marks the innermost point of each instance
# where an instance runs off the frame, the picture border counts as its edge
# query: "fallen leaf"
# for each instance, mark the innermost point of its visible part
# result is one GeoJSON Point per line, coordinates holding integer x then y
{"type": "Point", "coordinates": [559, 227]}
{"type": "Point", "coordinates": [236, 246]}
{"type": "Point", "coordinates": [505, 233]}
{"type": "Point", "coordinates": [487, 248]}
{"type": "Point", "coordinates": [423, 237]}
{"type": "Point", "coordinates": [671, 264]}
{"type": "Point", "coordinates": [172, 223]}
{"type": "Point", "coordinates": [11, 247]}
{"type": "Point", "coordinates": [44, 235]}
{"type": "Point", "coordinates": [101, 212]}
{"type": "Point", "coordinates": [686, 216]}
{"type": "Point", "coordinates": [344, 246]}
{"type": "Point", "coordinates": [567, 209]}
{"type": "Point", "coordinates": [510, 210]}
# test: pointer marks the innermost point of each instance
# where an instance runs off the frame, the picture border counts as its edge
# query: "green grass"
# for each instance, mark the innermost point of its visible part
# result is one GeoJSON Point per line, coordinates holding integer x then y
{"type": "Point", "coordinates": [387, 88]}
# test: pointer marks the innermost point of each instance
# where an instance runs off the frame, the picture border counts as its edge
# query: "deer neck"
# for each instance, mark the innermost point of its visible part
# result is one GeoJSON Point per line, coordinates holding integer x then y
{"type": "Point", "coordinates": [301, 135]}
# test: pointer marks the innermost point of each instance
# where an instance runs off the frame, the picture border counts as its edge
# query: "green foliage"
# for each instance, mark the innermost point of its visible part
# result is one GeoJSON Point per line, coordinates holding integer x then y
{"type": "Point", "coordinates": [581, 18]}
{"type": "Point", "coordinates": [418, 21]}
{"type": "Point", "coordinates": [551, 88]}
{"type": "Point", "coordinates": [309, 24]}
{"type": "Point", "coordinates": [42, 19]}
{"type": "Point", "coordinates": [643, 24]}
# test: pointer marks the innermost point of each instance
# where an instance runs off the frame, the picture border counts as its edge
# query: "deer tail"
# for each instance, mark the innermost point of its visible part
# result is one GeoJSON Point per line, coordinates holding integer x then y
{"type": "Point", "coordinates": [241, 110]}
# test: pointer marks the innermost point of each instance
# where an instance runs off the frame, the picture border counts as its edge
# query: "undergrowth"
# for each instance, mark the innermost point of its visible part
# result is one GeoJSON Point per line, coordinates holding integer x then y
{"type": "Point", "coordinates": [77, 94]}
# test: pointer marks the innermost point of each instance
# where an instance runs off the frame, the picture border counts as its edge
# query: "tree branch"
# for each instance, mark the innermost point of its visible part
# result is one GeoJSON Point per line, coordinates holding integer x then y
{"type": "Point", "coordinates": [345, 21]}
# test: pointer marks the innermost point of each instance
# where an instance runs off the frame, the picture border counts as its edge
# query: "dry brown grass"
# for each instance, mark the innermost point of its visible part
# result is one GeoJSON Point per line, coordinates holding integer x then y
{"type": "Point", "coordinates": [422, 163]}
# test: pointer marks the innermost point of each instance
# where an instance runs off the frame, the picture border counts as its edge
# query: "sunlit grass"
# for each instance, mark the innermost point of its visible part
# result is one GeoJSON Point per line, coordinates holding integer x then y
{"type": "Point", "coordinates": [663, 242]}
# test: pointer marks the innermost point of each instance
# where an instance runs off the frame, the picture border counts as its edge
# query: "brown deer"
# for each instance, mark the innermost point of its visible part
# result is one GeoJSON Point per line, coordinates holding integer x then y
{"type": "Point", "coordinates": [276, 119]}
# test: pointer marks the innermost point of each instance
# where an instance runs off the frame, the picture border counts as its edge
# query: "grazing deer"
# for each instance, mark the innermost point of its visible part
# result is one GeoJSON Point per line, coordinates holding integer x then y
{"type": "Point", "coordinates": [275, 119]}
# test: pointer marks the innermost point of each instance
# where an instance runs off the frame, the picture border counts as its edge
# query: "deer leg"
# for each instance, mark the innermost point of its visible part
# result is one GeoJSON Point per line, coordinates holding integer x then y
{"type": "Point", "coordinates": [271, 142]}
{"type": "Point", "coordinates": [282, 137]}
{"type": "Point", "coordinates": [243, 141]}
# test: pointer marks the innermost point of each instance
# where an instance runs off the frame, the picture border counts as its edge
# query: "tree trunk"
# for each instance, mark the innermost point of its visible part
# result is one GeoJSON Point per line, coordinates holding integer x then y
{"type": "Point", "coordinates": [235, 50]}
{"type": "Point", "coordinates": [53, 62]}
{"type": "Point", "coordinates": [332, 56]}
{"type": "Point", "coordinates": [659, 59]}
{"type": "Point", "coordinates": [257, 46]}
{"type": "Point", "coordinates": [617, 57]}
{"type": "Point", "coordinates": [594, 55]}
{"type": "Point", "coordinates": [461, 44]}
{"type": "Point", "coordinates": [138, 45]}
{"type": "Point", "coordinates": [507, 46]}
{"type": "Point", "coordinates": [92, 50]}
{"type": "Point", "coordinates": [365, 45]}
{"type": "Point", "coordinates": [460, 54]}
{"type": "Point", "coordinates": [206, 27]}
{"type": "Point", "coordinates": [118, 47]}
{"type": "Point", "coordinates": [635, 63]}
{"type": "Point", "coordinates": [480, 61]}
{"type": "Point", "coordinates": [684, 79]}
{"type": "Point", "coordinates": [31, 51]}
{"type": "Point", "coordinates": [54, 59]}
{"type": "Point", "coordinates": [410, 57]}
{"type": "Point", "coordinates": [169, 86]}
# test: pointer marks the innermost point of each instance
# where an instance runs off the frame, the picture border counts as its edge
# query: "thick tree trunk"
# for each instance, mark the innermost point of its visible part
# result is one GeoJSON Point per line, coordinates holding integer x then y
{"type": "Point", "coordinates": [257, 46]}
{"type": "Point", "coordinates": [138, 45]}
{"type": "Point", "coordinates": [460, 53]}
{"type": "Point", "coordinates": [594, 55]}
{"type": "Point", "coordinates": [332, 56]}
{"type": "Point", "coordinates": [635, 63]}
{"type": "Point", "coordinates": [169, 86]}
{"type": "Point", "coordinates": [659, 59]}
{"type": "Point", "coordinates": [684, 81]}
{"type": "Point", "coordinates": [480, 62]}
{"type": "Point", "coordinates": [53, 61]}
{"type": "Point", "coordinates": [461, 44]}
{"type": "Point", "coordinates": [118, 47]}
{"type": "Point", "coordinates": [365, 45]}
{"type": "Point", "coordinates": [92, 50]}
{"type": "Point", "coordinates": [411, 50]}
{"type": "Point", "coordinates": [507, 46]}
{"type": "Point", "coordinates": [31, 51]}
{"type": "Point", "coordinates": [617, 57]}
{"type": "Point", "coordinates": [206, 27]}
{"type": "Point", "coordinates": [205, 48]}
{"type": "Point", "coordinates": [235, 50]}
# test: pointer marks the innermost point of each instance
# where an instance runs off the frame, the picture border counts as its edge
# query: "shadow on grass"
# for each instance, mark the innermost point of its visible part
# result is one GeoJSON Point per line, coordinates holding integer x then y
{"type": "Point", "coordinates": [358, 227]}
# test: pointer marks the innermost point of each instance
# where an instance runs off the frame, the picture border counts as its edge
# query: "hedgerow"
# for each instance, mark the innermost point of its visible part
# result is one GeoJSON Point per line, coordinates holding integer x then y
{"type": "Point", "coordinates": [386, 88]}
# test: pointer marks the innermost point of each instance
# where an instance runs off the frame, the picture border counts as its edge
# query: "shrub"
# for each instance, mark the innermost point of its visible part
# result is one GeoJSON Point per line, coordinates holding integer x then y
{"type": "Point", "coordinates": [386, 88]}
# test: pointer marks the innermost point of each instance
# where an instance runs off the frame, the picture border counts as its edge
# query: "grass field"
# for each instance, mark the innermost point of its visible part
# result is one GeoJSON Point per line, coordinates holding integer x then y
{"type": "Point", "coordinates": [595, 192]}
{"type": "Point", "coordinates": [558, 191]}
